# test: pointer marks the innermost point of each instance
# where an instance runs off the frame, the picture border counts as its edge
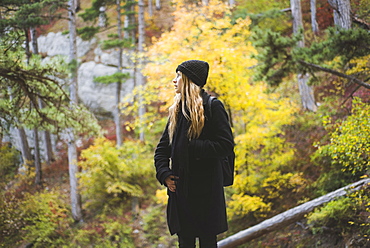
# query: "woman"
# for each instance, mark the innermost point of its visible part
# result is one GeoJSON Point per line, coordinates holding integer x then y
{"type": "Point", "coordinates": [188, 159]}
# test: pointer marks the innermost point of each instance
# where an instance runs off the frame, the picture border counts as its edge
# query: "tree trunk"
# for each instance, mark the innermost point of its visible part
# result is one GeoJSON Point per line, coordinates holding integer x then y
{"type": "Point", "coordinates": [38, 169]}
{"type": "Point", "coordinates": [140, 83]}
{"type": "Point", "coordinates": [102, 20]}
{"type": "Point", "coordinates": [157, 4]}
{"type": "Point", "coordinates": [315, 26]}
{"type": "Point", "coordinates": [140, 77]}
{"type": "Point", "coordinates": [25, 149]}
{"type": "Point", "coordinates": [37, 160]}
{"type": "Point", "coordinates": [342, 13]}
{"type": "Point", "coordinates": [286, 218]}
{"type": "Point", "coordinates": [295, 6]}
{"type": "Point", "coordinates": [72, 149]}
{"type": "Point", "coordinates": [117, 112]}
{"type": "Point", "coordinates": [129, 21]}
{"type": "Point", "coordinates": [45, 134]}
{"type": "Point", "coordinates": [305, 91]}
{"type": "Point", "coordinates": [34, 46]}
{"type": "Point", "coordinates": [150, 8]}
{"type": "Point", "coordinates": [22, 134]}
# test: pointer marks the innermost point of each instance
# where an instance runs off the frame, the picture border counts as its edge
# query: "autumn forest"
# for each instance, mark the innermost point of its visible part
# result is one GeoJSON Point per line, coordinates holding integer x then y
{"type": "Point", "coordinates": [294, 77]}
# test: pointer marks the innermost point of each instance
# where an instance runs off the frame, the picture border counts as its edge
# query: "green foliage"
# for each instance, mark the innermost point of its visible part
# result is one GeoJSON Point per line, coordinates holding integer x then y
{"type": "Point", "coordinates": [110, 176]}
{"type": "Point", "coordinates": [92, 13]}
{"type": "Point", "coordinates": [344, 215]}
{"type": "Point", "coordinates": [279, 56]}
{"type": "Point", "coordinates": [344, 44]}
{"type": "Point", "coordinates": [87, 33]}
{"type": "Point", "coordinates": [276, 61]}
{"type": "Point", "coordinates": [115, 43]}
{"type": "Point", "coordinates": [23, 85]}
{"type": "Point", "coordinates": [349, 147]}
{"type": "Point", "coordinates": [27, 14]}
{"type": "Point", "coordinates": [334, 214]}
{"type": "Point", "coordinates": [9, 162]}
{"type": "Point", "coordinates": [114, 78]}
{"type": "Point", "coordinates": [47, 219]}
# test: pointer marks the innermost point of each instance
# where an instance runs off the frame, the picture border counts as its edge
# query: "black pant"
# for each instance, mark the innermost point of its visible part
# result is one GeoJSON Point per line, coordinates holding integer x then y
{"type": "Point", "coordinates": [204, 241]}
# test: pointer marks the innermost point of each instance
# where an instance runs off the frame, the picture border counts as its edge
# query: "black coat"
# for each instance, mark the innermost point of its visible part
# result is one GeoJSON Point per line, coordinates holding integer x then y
{"type": "Point", "coordinates": [202, 211]}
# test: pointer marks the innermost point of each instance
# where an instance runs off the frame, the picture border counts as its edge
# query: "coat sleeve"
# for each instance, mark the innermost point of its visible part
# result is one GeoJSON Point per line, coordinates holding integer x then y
{"type": "Point", "coordinates": [221, 141]}
{"type": "Point", "coordinates": [162, 157]}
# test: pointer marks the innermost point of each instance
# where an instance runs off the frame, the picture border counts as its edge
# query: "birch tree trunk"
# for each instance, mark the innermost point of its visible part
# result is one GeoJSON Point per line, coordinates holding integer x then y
{"type": "Point", "coordinates": [117, 112]}
{"type": "Point", "coordinates": [157, 4]}
{"type": "Point", "coordinates": [305, 91]}
{"type": "Point", "coordinates": [140, 82]}
{"type": "Point", "coordinates": [150, 8]}
{"type": "Point", "coordinates": [72, 149]}
{"type": "Point", "coordinates": [342, 13]}
{"type": "Point", "coordinates": [102, 20]}
{"type": "Point", "coordinates": [140, 77]}
{"type": "Point", "coordinates": [314, 25]}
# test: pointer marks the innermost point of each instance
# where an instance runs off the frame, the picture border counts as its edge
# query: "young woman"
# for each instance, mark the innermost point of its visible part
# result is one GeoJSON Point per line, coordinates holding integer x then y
{"type": "Point", "coordinates": [188, 159]}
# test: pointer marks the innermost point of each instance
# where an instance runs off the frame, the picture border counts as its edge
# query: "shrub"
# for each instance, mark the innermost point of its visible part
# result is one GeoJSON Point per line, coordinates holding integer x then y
{"type": "Point", "coordinates": [112, 175]}
{"type": "Point", "coordinates": [47, 219]}
{"type": "Point", "coordinates": [11, 221]}
{"type": "Point", "coordinates": [334, 215]}
{"type": "Point", "coordinates": [104, 232]}
{"type": "Point", "coordinates": [9, 159]}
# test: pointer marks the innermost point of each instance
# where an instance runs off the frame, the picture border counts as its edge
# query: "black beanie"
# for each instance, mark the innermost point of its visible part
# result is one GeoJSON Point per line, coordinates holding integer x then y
{"type": "Point", "coordinates": [195, 70]}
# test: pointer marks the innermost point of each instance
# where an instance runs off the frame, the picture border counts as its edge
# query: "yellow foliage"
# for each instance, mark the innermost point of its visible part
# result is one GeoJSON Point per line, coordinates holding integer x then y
{"type": "Point", "coordinates": [161, 195]}
{"type": "Point", "coordinates": [112, 174]}
{"type": "Point", "coordinates": [360, 65]}
{"type": "Point", "coordinates": [276, 184]}
{"type": "Point", "coordinates": [205, 33]}
{"type": "Point", "coordinates": [242, 205]}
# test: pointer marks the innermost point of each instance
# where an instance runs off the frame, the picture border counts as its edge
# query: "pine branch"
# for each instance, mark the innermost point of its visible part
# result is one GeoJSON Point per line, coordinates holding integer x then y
{"type": "Point", "coordinates": [337, 73]}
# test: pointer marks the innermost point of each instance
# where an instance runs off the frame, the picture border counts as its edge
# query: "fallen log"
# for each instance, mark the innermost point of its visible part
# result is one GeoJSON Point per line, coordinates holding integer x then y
{"type": "Point", "coordinates": [288, 217]}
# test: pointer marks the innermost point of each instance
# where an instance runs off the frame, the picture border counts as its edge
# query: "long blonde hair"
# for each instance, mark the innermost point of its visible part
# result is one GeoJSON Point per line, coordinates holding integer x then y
{"type": "Point", "coordinates": [190, 95]}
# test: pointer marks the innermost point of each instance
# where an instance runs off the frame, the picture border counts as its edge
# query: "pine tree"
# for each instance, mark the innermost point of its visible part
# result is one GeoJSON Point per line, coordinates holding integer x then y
{"type": "Point", "coordinates": [26, 16]}
{"type": "Point", "coordinates": [117, 41]}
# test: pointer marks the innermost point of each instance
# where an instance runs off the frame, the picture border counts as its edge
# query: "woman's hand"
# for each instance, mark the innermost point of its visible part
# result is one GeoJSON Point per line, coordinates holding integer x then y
{"type": "Point", "coordinates": [171, 182]}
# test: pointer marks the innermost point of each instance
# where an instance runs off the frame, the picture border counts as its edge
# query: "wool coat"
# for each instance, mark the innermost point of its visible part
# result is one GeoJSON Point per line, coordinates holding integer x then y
{"type": "Point", "coordinates": [201, 210]}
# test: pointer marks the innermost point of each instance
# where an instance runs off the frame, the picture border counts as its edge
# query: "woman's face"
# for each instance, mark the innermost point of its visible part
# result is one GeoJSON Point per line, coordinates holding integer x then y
{"type": "Point", "coordinates": [177, 81]}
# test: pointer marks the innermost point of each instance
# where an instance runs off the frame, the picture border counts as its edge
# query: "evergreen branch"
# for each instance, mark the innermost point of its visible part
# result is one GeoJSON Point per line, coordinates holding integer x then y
{"type": "Point", "coordinates": [337, 73]}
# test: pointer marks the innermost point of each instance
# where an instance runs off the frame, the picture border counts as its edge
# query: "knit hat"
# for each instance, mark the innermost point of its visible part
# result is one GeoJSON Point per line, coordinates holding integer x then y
{"type": "Point", "coordinates": [195, 70]}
